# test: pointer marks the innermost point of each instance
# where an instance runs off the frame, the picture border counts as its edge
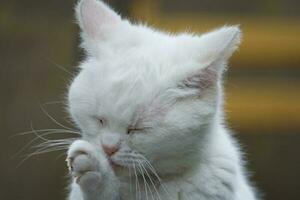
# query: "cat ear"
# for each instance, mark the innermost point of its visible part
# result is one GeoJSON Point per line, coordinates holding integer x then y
{"type": "Point", "coordinates": [95, 18]}
{"type": "Point", "coordinates": [211, 53]}
{"type": "Point", "coordinates": [218, 45]}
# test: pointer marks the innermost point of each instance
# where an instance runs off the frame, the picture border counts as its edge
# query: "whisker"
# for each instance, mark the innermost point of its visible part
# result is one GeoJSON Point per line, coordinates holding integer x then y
{"type": "Point", "coordinates": [53, 102]}
{"type": "Point", "coordinates": [157, 193]}
{"type": "Point", "coordinates": [49, 146]}
{"type": "Point", "coordinates": [52, 118]}
{"type": "Point", "coordinates": [55, 142]}
{"type": "Point", "coordinates": [157, 176]}
{"type": "Point", "coordinates": [43, 142]}
{"type": "Point", "coordinates": [147, 174]}
{"type": "Point", "coordinates": [59, 66]}
{"type": "Point", "coordinates": [47, 150]}
{"type": "Point", "coordinates": [40, 151]}
{"type": "Point", "coordinates": [38, 136]}
{"type": "Point", "coordinates": [130, 180]}
{"type": "Point", "coordinates": [136, 182]}
{"type": "Point", "coordinates": [60, 155]}
{"type": "Point", "coordinates": [145, 187]}
{"type": "Point", "coordinates": [27, 145]}
{"type": "Point", "coordinates": [45, 130]}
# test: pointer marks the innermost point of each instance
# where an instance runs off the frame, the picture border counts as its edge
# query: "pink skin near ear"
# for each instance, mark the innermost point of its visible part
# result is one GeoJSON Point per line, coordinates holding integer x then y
{"type": "Point", "coordinates": [94, 17]}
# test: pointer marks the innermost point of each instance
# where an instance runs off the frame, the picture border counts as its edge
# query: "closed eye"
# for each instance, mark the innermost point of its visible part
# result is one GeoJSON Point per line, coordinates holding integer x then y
{"type": "Point", "coordinates": [101, 121]}
{"type": "Point", "coordinates": [133, 130]}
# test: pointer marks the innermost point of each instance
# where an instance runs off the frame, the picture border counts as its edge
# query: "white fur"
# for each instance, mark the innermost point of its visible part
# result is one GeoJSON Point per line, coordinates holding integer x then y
{"type": "Point", "coordinates": [169, 88]}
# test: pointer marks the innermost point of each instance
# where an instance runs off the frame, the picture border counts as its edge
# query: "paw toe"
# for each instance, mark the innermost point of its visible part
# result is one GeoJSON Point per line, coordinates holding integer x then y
{"type": "Point", "coordinates": [89, 180]}
{"type": "Point", "coordinates": [79, 147]}
{"type": "Point", "coordinates": [83, 163]}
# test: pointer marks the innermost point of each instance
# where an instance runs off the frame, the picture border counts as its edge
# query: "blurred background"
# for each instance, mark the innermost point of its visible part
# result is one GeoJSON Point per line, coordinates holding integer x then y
{"type": "Point", "coordinates": [39, 54]}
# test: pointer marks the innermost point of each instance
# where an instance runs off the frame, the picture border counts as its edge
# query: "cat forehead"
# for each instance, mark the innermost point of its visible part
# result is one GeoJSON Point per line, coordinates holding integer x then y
{"type": "Point", "coordinates": [137, 64]}
{"type": "Point", "coordinates": [137, 72]}
{"type": "Point", "coordinates": [149, 61]}
{"type": "Point", "coordinates": [114, 89]}
{"type": "Point", "coordinates": [139, 43]}
{"type": "Point", "coordinates": [123, 85]}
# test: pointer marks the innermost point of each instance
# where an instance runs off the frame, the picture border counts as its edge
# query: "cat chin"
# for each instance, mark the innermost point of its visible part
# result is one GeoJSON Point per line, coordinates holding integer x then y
{"type": "Point", "coordinates": [123, 171]}
{"type": "Point", "coordinates": [119, 170]}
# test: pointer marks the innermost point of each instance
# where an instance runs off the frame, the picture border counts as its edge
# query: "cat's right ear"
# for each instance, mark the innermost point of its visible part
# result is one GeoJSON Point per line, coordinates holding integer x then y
{"type": "Point", "coordinates": [95, 18]}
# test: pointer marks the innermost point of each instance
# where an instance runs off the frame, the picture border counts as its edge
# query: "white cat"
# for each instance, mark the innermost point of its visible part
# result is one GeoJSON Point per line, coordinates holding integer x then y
{"type": "Point", "coordinates": [149, 106]}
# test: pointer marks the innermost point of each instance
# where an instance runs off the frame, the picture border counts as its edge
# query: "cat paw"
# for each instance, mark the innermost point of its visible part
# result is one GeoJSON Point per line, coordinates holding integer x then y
{"type": "Point", "coordinates": [83, 161]}
{"type": "Point", "coordinates": [91, 171]}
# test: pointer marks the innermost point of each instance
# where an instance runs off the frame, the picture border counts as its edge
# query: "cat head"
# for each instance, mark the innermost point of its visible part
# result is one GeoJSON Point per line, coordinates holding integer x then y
{"type": "Point", "coordinates": [146, 95]}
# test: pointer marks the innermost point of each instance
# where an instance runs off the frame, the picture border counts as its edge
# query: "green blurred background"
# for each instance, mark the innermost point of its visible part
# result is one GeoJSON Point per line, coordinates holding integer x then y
{"type": "Point", "coordinates": [39, 54]}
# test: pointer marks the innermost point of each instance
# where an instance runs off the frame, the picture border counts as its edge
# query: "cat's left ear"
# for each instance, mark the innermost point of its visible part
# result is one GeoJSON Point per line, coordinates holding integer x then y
{"type": "Point", "coordinates": [95, 18]}
{"type": "Point", "coordinates": [218, 45]}
{"type": "Point", "coordinates": [211, 52]}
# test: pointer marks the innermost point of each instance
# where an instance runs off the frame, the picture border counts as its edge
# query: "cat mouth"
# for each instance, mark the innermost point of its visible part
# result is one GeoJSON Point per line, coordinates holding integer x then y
{"type": "Point", "coordinates": [115, 166]}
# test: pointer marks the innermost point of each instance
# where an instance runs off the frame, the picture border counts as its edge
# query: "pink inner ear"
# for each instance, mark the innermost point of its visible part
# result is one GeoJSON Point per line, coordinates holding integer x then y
{"type": "Point", "coordinates": [95, 16]}
{"type": "Point", "coordinates": [201, 80]}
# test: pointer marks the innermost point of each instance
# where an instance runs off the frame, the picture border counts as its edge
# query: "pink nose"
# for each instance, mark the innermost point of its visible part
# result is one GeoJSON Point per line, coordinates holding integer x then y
{"type": "Point", "coordinates": [110, 150]}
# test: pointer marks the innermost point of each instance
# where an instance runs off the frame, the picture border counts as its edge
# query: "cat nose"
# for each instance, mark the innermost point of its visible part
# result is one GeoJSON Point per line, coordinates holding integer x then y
{"type": "Point", "coordinates": [110, 150]}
